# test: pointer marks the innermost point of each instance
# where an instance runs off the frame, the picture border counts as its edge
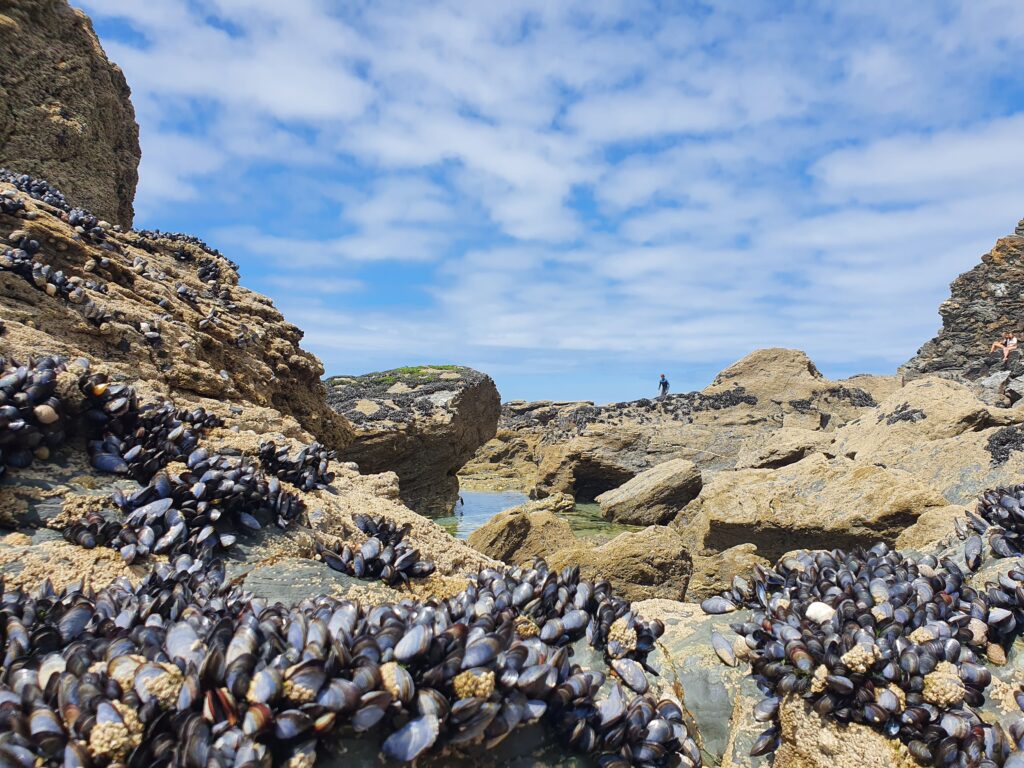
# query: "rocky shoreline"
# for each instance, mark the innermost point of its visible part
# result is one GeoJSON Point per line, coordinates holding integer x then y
{"type": "Point", "coordinates": [210, 556]}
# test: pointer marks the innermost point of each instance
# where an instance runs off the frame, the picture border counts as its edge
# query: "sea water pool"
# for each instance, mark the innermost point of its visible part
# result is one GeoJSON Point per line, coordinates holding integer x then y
{"type": "Point", "coordinates": [478, 507]}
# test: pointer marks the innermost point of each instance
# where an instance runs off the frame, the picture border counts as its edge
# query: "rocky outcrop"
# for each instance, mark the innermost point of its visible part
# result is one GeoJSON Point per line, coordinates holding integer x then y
{"type": "Point", "coordinates": [939, 432]}
{"type": "Point", "coordinates": [165, 315]}
{"type": "Point", "coordinates": [984, 302]}
{"type": "Point", "coordinates": [815, 503]}
{"type": "Point", "coordinates": [585, 450]}
{"type": "Point", "coordinates": [714, 574]}
{"type": "Point", "coordinates": [532, 530]}
{"type": "Point", "coordinates": [65, 111]}
{"type": "Point", "coordinates": [423, 423]}
{"type": "Point", "coordinates": [653, 497]}
{"type": "Point", "coordinates": [653, 562]}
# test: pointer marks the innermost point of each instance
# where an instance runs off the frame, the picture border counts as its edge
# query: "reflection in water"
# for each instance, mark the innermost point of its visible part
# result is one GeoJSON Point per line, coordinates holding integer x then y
{"type": "Point", "coordinates": [481, 506]}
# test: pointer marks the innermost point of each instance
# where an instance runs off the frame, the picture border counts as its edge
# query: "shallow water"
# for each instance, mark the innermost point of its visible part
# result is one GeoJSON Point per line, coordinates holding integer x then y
{"type": "Point", "coordinates": [480, 506]}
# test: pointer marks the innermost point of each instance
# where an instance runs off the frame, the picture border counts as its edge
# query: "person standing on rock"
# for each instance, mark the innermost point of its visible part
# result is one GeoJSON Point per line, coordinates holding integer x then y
{"type": "Point", "coordinates": [662, 387]}
{"type": "Point", "coordinates": [1007, 344]}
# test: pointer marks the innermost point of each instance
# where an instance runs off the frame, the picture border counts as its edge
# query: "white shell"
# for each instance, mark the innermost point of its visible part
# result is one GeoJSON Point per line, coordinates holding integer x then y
{"type": "Point", "coordinates": [820, 612]}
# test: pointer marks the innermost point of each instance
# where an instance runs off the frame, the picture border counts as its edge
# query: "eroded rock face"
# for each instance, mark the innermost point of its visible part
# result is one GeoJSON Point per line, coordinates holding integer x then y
{"type": "Point", "coordinates": [532, 530]}
{"type": "Point", "coordinates": [984, 302]}
{"type": "Point", "coordinates": [815, 503]}
{"type": "Point", "coordinates": [941, 433]}
{"type": "Point", "coordinates": [585, 450]}
{"type": "Point", "coordinates": [65, 111]}
{"type": "Point", "coordinates": [422, 423]}
{"type": "Point", "coordinates": [145, 312]}
{"type": "Point", "coordinates": [650, 563]}
{"type": "Point", "coordinates": [653, 497]}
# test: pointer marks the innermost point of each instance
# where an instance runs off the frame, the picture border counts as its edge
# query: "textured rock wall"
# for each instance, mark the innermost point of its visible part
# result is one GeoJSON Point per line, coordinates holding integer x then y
{"type": "Point", "coordinates": [983, 302]}
{"type": "Point", "coordinates": [167, 315]}
{"type": "Point", "coordinates": [65, 111]}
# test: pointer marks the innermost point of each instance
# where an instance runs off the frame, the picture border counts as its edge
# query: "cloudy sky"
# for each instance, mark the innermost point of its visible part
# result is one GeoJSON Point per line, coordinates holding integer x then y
{"type": "Point", "coordinates": [576, 197]}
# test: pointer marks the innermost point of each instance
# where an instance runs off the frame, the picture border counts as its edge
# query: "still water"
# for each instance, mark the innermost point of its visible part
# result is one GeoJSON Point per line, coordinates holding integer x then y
{"type": "Point", "coordinates": [480, 506]}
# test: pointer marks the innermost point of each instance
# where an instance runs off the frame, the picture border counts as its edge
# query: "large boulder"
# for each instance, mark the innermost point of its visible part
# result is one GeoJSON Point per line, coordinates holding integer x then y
{"type": "Point", "coordinates": [65, 110]}
{"type": "Point", "coordinates": [653, 562]}
{"type": "Point", "coordinates": [653, 497]}
{"type": "Point", "coordinates": [815, 503]}
{"type": "Point", "coordinates": [983, 302]}
{"type": "Point", "coordinates": [532, 530]}
{"type": "Point", "coordinates": [423, 423]}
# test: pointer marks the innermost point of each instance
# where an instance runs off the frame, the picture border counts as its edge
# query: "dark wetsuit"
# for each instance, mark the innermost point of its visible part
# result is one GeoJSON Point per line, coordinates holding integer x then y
{"type": "Point", "coordinates": [663, 387]}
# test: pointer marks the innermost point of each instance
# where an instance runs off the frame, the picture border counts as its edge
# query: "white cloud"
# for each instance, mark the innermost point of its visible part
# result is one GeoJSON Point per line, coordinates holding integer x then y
{"type": "Point", "coordinates": [611, 180]}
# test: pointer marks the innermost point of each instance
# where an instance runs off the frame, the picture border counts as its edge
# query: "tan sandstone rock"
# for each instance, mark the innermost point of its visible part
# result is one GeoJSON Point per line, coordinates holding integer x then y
{"type": "Point", "coordinates": [941, 433]}
{"type": "Point", "coordinates": [714, 574]}
{"type": "Point", "coordinates": [814, 503]}
{"type": "Point", "coordinates": [653, 497]}
{"type": "Point", "coordinates": [650, 563]}
{"type": "Point", "coordinates": [65, 110]}
{"type": "Point", "coordinates": [520, 534]}
{"type": "Point", "coordinates": [780, 447]}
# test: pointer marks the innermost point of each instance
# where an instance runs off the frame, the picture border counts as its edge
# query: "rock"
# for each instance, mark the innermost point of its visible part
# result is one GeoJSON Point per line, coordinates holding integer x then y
{"type": "Point", "coordinates": [66, 113]}
{"type": "Point", "coordinates": [422, 423]}
{"type": "Point", "coordinates": [520, 534]}
{"type": "Point", "coordinates": [771, 450]}
{"type": "Point", "coordinates": [984, 302]}
{"type": "Point", "coordinates": [585, 450]}
{"type": "Point", "coordinates": [653, 497]}
{"type": "Point", "coordinates": [712, 575]}
{"type": "Point", "coordinates": [650, 563]}
{"type": "Point", "coordinates": [940, 432]}
{"type": "Point", "coordinates": [815, 503]}
{"type": "Point", "coordinates": [809, 741]}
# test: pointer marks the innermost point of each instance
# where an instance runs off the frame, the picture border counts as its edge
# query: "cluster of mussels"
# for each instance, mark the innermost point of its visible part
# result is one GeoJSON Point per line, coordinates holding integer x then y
{"type": "Point", "coordinates": [384, 555]}
{"type": "Point", "coordinates": [32, 418]}
{"type": "Point", "coordinates": [1000, 517]}
{"type": "Point", "coordinates": [880, 639]}
{"type": "Point", "coordinates": [310, 469]}
{"type": "Point", "coordinates": [208, 270]}
{"type": "Point", "coordinates": [36, 189]}
{"type": "Point", "coordinates": [128, 440]}
{"type": "Point", "coordinates": [195, 512]}
{"type": "Point", "coordinates": [86, 224]}
{"type": "Point", "coordinates": [10, 203]}
{"type": "Point", "coordinates": [21, 261]}
{"type": "Point", "coordinates": [186, 670]}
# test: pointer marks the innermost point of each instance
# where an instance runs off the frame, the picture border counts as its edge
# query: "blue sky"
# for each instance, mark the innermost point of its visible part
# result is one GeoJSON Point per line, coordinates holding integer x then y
{"type": "Point", "coordinates": [576, 197]}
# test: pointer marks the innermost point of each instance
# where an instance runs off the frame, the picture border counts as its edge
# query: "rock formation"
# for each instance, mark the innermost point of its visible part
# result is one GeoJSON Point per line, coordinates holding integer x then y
{"type": "Point", "coordinates": [65, 111]}
{"type": "Point", "coordinates": [983, 302]}
{"type": "Point", "coordinates": [165, 314]}
{"type": "Point", "coordinates": [653, 562]}
{"type": "Point", "coordinates": [585, 450]}
{"type": "Point", "coordinates": [520, 534]}
{"type": "Point", "coordinates": [422, 423]}
{"type": "Point", "coordinates": [653, 497]}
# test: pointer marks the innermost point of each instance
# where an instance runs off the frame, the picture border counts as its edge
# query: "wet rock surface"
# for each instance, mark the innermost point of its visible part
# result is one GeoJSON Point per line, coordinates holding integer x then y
{"type": "Point", "coordinates": [422, 423]}
{"type": "Point", "coordinates": [65, 110]}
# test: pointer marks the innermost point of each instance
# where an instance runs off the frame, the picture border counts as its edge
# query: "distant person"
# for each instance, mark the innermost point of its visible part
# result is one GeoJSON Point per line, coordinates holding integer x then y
{"type": "Point", "coordinates": [1008, 343]}
{"type": "Point", "coordinates": [662, 387]}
